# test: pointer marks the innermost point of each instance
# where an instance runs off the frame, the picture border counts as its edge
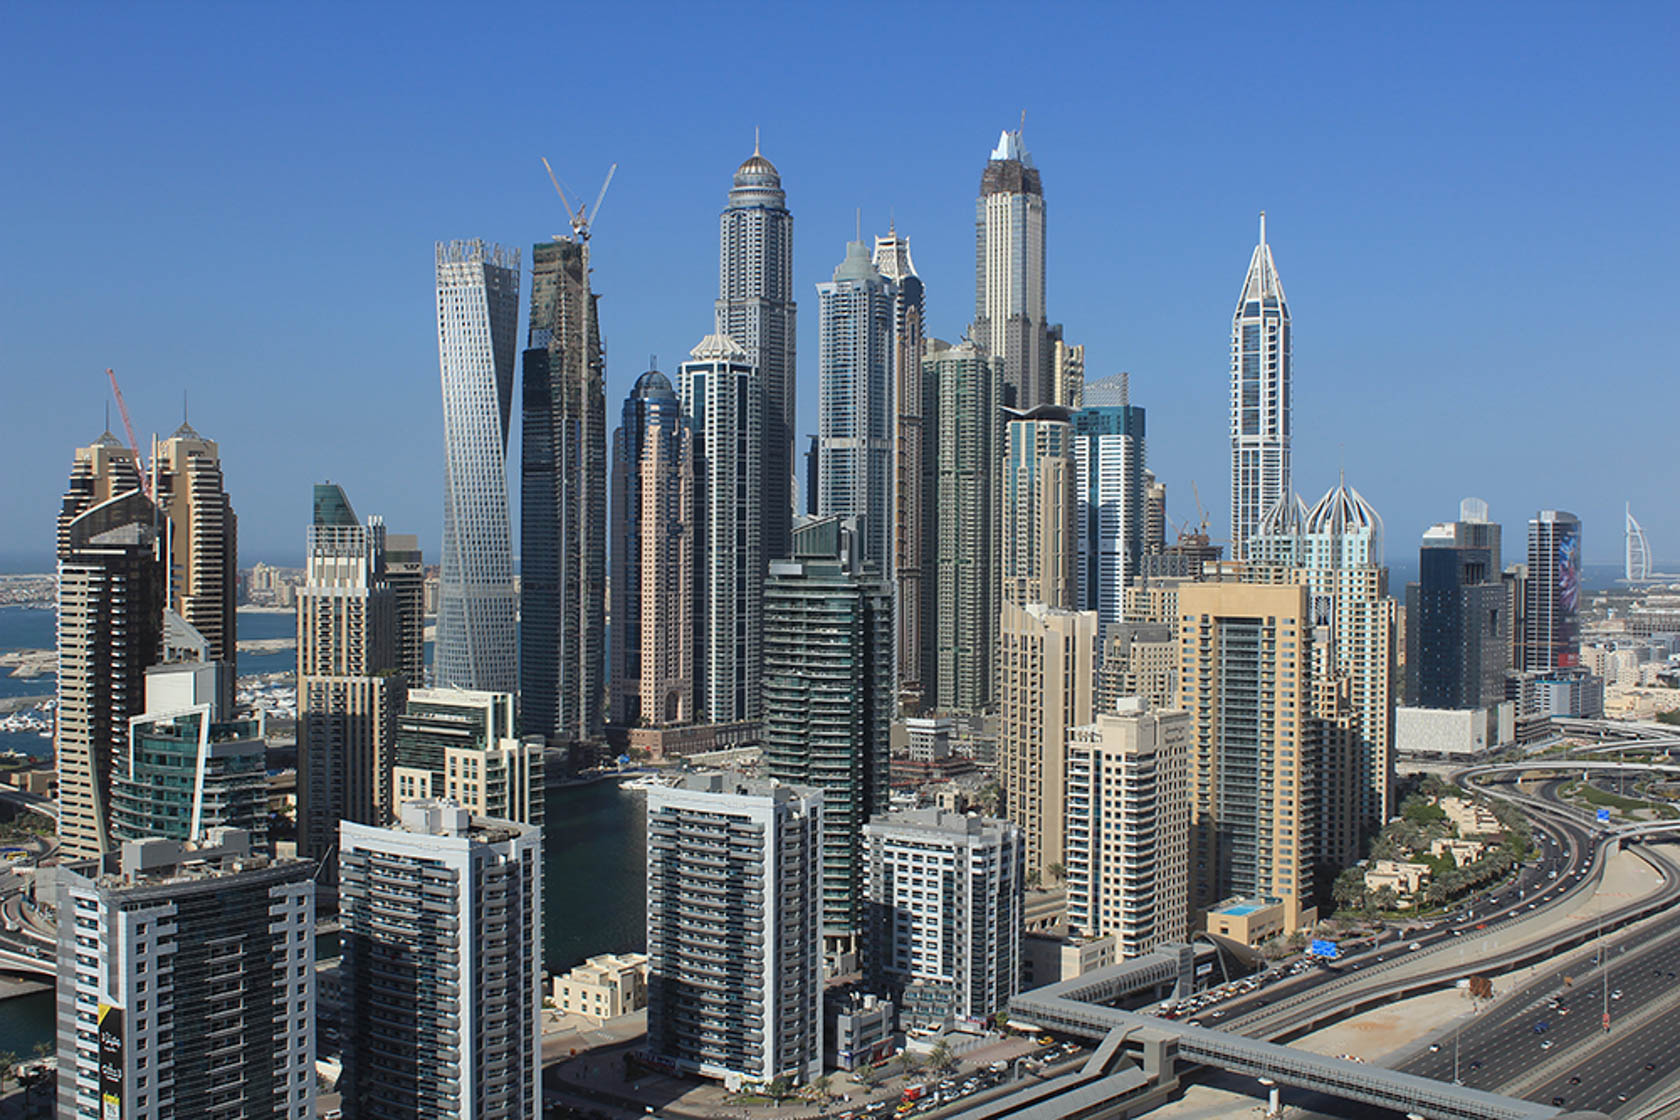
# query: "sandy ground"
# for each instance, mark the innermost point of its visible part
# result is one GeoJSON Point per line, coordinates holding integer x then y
{"type": "Point", "coordinates": [1371, 1034]}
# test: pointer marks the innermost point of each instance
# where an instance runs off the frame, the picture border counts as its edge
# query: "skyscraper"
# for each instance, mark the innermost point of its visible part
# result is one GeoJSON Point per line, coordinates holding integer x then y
{"type": "Point", "coordinates": [892, 258]}
{"type": "Point", "coordinates": [405, 575]}
{"type": "Point", "coordinates": [828, 702]}
{"type": "Point", "coordinates": [186, 982]}
{"type": "Point", "coordinates": [654, 559]}
{"type": "Point", "coordinates": [1128, 827]}
{"type": "Point", "coordinates": [1109, 452]}
{"type": "Point", "coordinates": [960, 386]}
{"type": "Point", "coordinates": [945, 914]}
{"type": "Point", "coordinates": [734, 928]}
{"type": "Point", "coordinates": [723, 398]}
{"type": "Point", "coordinates": [1260, 397]}
{"type": "Point", "coordinates": [1067, 374]}
{"type": "Point", "coordinates": [855, 409]}
{"type": "Point", "coordinates": [463, 746]}
{"type": "Point", "coordinates": [1248, 688]}
{"type": "Point", "coordinates": [443, 1000]}
{"type": "Point", "coordinates": [1039, 547]}
{"type": "Point", "coordinates": [1154, 514]}
{"type": "Point", "coordinates": [755, 307]}
{"type": "Point", "coordinates": [1009, 318]}
{"type": "Point", "coordinates": [110, 630]}
{"type": "Point", "coordinates": [203, 564]}
{"type": "Point", "coordinates": [1458, 630]}
{"type": "Point", "coordinates": [185, 772]}
{"type": "Point", "coordinates": [1336, 552]}
{"type": "Point", "coordinates": [1047, 668]}
{"type": "Point", "coordinates": [1552, 625]}
{"type": "Point", "coordinates": [563, 501]}
{"type": "Point", "coordinates": [478, 324]}
{"type": "Point", "coordinates": [349, 687]}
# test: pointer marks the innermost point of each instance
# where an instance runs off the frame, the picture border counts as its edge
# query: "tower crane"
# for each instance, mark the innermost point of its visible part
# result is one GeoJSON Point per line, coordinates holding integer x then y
{"type": "Point", "coordinates": [128, 426]}
{"type": "Point", "coordinates": [580, 220]}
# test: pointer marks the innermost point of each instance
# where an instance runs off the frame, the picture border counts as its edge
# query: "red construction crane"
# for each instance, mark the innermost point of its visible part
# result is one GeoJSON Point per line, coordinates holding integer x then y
{"type": "Point", "coordinates": [128, 425]}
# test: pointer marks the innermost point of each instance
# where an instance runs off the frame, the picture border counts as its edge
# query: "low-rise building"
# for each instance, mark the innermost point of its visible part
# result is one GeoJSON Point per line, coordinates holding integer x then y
{"type": "Point", "coordinates": [1050, 956]}
{"type": "Point", "coordinates": [1249, 920]}
{"type": "Point", "coordinates": [858, 1029]}
{"type": "Point", "coordinates": [1470, 818]}
{"type": "Point", "coordinates": [1463, 852]}
{"type": "Point", "coordinates": [603, 987]}
{"type": "Point", "coordinates": [1403, 878]}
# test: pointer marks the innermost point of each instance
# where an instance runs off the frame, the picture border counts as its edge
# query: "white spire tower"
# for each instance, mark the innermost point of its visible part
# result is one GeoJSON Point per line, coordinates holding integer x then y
{"type": "Point", "coordinates": [1260, 397]}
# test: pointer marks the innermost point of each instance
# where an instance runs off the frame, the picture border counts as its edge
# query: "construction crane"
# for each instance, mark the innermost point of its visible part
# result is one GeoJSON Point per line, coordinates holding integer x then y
{"type": "Point", "coordinates": [128, 426]}
{"type": "Point", "coordinates": [1200, 512]}
{"type": "Point", "coordinates": [580, 220]}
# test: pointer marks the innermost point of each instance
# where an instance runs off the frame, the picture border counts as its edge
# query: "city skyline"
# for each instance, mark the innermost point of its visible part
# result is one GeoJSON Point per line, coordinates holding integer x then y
{"type": "Point", "coordinates": [1446, 201]}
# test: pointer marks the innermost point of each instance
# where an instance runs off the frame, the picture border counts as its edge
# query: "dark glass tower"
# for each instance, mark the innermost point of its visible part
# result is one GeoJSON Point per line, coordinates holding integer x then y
{"type": "Point", "coordinates": [1458, 627]}
{"type": "Point", "coordinates": [563, 502]}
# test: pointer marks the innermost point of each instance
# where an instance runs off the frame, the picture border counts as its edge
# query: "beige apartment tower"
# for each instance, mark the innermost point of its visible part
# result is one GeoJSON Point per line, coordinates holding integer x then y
{"type": "Point", "coordinates": [203, 553]}
{"type": "Point", "coordinates": [1244, 677]}
{"type": "Point", "coordinates": [1039, 526]}
{"type": "Point", "coordinates": [1047, 667]}
{"type": "Point", "coordinates": [1128, 827]}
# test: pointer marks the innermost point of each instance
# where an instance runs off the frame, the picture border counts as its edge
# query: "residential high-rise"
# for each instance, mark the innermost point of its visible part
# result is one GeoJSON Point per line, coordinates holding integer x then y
{"type": "Point", "coordinates": [478, 327]}
{"type": "Point", "coordinates": [655, 490]}
{"type": "Point", "coordinates": [856, 414]}
{"type": "Point", "coordinates": [349, 685]}
{"type": "Point", "coordinates": [405, 575]}
{"type": "Point", "coordinates": [1139, 659]}
{"type": "Point", "coordinates": [1067, 374]}
{"type": "Point", "coordinates": [1128, 827]}
{"type": "Point", "coordinates": [110, 630]}
{"type": "Point", "coordinates": [1335, 550]}
{"type": "Point", "coordinates": [1551, 620]}
{"type": "Point", "coordinates": [945, 914]}
{"type": "Point", "coordinates": [892, 258]}
{"type": "Point", "coordinates": [1009, 317]}
{"type": "Point", "coordinates": [1047, 669]}
{"type": "Point", "coordinates": [1260, 397]}
{"type": "Point", "coordinates": [443, 1001]}
{"type": "Point", "coordinates": [960, 386]}
{"type": "Point", "coordinates": [755, 307]}
{"type": "Point", "coordinates": [462, 746]}
{"type": "Point", "coordinates": [186, 983]}
{"type": "Point", "coordinates": [203, 545]}
{"type": "Point", "coordinates": [828, 702]}
{"type": "Point", "coordinates": [1154, 514]}
{"type": "Point", "coordinates": [563, 502]}
{"type": "Point", "coordinates": [1458, 630]}
{"type": "Point", "coordinates": [1039, 547]}
{"type": "Point", "coordinates": [723, 398]}
{"type": "Point", "coordinates": [1245, 678]}
{"type": "Point", "coordinates": [185, 773]}
{"type": "Point", "coordinates": [1109, 452]}
{"type": "Point", "coordinates": [734, 928]}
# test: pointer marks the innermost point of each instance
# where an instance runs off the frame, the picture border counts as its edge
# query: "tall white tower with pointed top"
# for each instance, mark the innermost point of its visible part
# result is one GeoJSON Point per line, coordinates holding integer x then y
{"type": "Point", "coordinates": [1009, 317]}
{"type": "Point", "coordinates": [1260, 397]}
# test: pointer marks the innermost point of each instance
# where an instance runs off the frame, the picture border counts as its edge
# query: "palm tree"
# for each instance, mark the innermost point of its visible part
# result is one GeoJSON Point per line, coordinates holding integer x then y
{"type": "Point", "coordinates": [940, 1057]}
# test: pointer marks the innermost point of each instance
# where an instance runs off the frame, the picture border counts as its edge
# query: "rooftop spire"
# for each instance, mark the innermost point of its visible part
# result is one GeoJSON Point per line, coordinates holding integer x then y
{"type": "Point", "coordinates": [756, 152]}
{"type": "Point", "coordinates": [1262, 227]}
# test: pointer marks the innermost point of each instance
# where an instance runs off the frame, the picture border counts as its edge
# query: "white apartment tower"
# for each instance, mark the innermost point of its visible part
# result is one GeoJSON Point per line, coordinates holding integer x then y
{"type": "Point", "coordinates": [1128, 827]}
{"type": "Point", "coordinates": [186, 983]}
{"type": "Point", "coordinates": [945, 903]}
{"type": "Point", "coordinates": [734, 929]}
{"type": "Point", "coordinates": [1009, 313]}
{"type": "Point", "coordinates": [478, 323]}
{"type": "Point", "coordinates": [1260, 397]}
{"type": "Point", "coordinates": [856, 418]}
{"type": "Point", "coordinates": [723, 398]}
{"type": "Point", "coordinates": [442, 967]}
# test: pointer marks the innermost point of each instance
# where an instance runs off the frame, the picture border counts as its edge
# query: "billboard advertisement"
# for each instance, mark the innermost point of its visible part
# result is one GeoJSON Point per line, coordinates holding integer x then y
{"type": "Point", "coordinates": [1567, 636]}
{"type": "Point", "coordinates": [110, 1062]}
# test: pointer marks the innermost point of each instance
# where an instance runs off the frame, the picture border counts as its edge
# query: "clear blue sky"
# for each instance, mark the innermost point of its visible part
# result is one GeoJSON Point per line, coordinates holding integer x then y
{"type": "Point", "coordinates": [1473, 209]}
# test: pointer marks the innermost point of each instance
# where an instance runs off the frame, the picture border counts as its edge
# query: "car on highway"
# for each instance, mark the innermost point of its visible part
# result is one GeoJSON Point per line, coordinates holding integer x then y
{"type": "Point", "coordinates": [1617, 994]}
{"type": "Point", "coordinates": [1546, 1045]}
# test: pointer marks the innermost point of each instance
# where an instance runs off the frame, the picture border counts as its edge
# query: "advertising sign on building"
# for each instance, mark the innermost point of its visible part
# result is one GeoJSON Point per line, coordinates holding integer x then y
{"type": "Point", "coordinates": [110, 1062]}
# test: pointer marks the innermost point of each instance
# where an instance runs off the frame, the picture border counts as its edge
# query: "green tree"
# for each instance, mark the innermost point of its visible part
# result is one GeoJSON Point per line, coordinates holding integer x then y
{"type": "Point", "coordinates": [1057, 872]}
{"type": "Point", "coordinates": [866, 1075]}
{"type": "Point", "coordinates": [819, 1088]}
{"type": "Point", "coordinates": [907, 1062]}
{"type": "Point", "coordinates": [1348, 892]}
{"type": "Point", "coordinates": [779, 1088]}
{"type": "Point", "coordinates": [940, 1057]}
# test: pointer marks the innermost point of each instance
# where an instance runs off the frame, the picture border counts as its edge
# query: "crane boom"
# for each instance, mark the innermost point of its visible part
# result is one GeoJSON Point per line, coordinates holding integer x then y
{"type": "Point", "coordinates": [128, 426]}
{"type": "Point", "coordinates": [595, 211]}
{"type": "Point", "coordinates": [570, 217]}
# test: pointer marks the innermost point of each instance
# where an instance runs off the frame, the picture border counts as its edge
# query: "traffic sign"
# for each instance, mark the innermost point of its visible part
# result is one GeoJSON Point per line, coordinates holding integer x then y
{"type": "Point", "coordinates": [1604, 816]}
{"type": "Point", "coordinates": [1327, 949]}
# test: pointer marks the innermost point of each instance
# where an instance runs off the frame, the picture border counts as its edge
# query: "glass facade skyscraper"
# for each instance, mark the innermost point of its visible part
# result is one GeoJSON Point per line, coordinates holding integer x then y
{"type": "Point", "coordinates": [1108, 452]}
{"type": "Point", "coordinates": [563, 502]}
{"type": "Point", "coordinates": [478, 322]}
{"type": "Point", "coordinates": [1260, 397]}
